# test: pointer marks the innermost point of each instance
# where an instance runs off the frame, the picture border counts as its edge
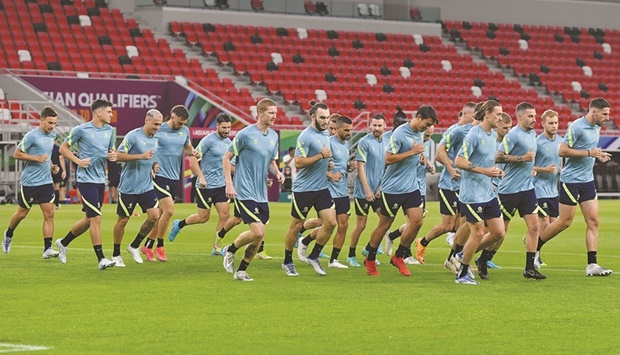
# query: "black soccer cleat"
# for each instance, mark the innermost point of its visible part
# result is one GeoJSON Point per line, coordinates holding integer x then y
{"type": "Point", "coordinates": [483, 270]}
{"type": "Point", "coordinates": [533, 274]}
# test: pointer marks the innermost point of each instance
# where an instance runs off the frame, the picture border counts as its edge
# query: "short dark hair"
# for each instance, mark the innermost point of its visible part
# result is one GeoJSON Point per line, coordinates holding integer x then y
{"type": "Point", "coordinates": [291, 148]}
{"type": "Point", "coordinates": [334, 117]}
{"type": "Point", "coordinates": [180, 111]}
{"type": "Point", "coordinates": [315, 106]}
{"type": "Point", "coordinates": [48, 111]}
{"type": "Point", "coordinates": [223, 117]}
{"type": "Point", "coordinates": [524, 106]}
{"type": "Point", "coordinates": [342, 120]}
{"type": "Point", "coordinates": [427, 111]}
{"type": "Point", "coordinates": [378, 116]}
{"type": "Point", "coordinates": [99, 103]}
{"type": "Point", "coordinates": [599, 103]}
{"type": "Point", "coordinates": [470, 104]}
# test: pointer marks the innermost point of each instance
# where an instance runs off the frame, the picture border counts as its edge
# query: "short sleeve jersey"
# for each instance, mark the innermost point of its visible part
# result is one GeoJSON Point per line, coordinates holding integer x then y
{"type": "Point", "coordinates": [170, 151]}
{"type": "Point", "coordinates": [445, 181]}
{"type": "Point", "coordinates": [340, 157]}
{"type": "Point", "coordinates": [517, 176]}
{"type": "Point", "coordinates": [136, 176]}
{"type": "Point", "coordinates": [479, 148]}
{"type": "Point", "coordinates": [583, 136]}
{"type": "Point", "coordinates": [36, 142]}
{"type": "Point", "coordinates": [371, 152]}
{"type": "Point", "coordinates": [212, 149]}
{"type": "Point", "coordinates": [92, 142]}
{"type": "Point", "coordinates": [400, 177]}
{"type": "Point", "coordinates": [545, 184]}
{"type": "Point", "coordinates": [312, 177]}
{"type": "Point", "coordinates": [254, 151]}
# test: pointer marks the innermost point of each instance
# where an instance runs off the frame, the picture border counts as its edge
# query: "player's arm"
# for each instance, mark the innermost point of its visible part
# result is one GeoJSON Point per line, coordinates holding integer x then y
{"type": "Point", "coordinates": [502, 157]}
{"type": "Point", "coordinates": [464, 164]}
{"type": "Point", "coordinates": [303, 161]}
{"type": "Point", "coordinates": [21, 155]}
{"type": "Point", "coordinates": [66, 152]}
{"type": "Point", "coordinates": [549, 169]}
{"type": "Point", "coordinates": [274, 170]}
{"type": "Point", "coordinates": [122, 154]}
{"type": "Point", "coordinates": [391, 158]}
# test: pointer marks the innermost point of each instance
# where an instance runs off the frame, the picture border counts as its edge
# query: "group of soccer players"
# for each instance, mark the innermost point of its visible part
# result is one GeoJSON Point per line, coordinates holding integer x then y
{"type": "Point", "coordinates": [490, 173]}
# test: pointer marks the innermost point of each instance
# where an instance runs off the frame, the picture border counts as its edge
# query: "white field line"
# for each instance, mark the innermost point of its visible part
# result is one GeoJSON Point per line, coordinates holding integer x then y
{"type": "Point", "coordinates": [13, 348]}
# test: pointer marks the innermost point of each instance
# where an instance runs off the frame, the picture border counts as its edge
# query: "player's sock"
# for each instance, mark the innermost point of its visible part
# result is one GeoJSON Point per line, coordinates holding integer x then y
{"type": "Point", "coordinates": [57, 198]}
{"type": "Point", "coordinates": [68, 239]}
{"type": "Point", "coordinates": [288, 256]}
{"type": "Point", "coordinates": [540, 244]}
{"type": "Point", "coordinates": [529, 260]}
{"type": "Point", "coordinates": [395, 234]}
{"type": "Point", "coordinates": [136, 242]}
{"type": "Point", "coordinates": [424, 242]}
{"type": "Point", "coordinates": [463, 271]}
{"type": "Point", "coordinates": [401, 251]}
{"type": "Point", "coordinates": [232, 248]}
{"type": "Point", "coordinates": [117, 250]}
{"type": "Point", "coordinates": [491, 255]}
{"type": "Point", "coordinates": [182, 224]}
{"type": "Point", "coordinates": [149, 243]}
{"type": "Point", "coordinates": [261, 247]}
{"type": "Point", "coordinates": [9, 232]}
{"type": "Point", "coordinates": [160, 242]}
{"type": "Point", "coordinates": [372, 252]}
{"type": "Point", "coordinates": [302, 230]}
{"type": "Point", "coordinates": [307, 240]}
{"type": "Point", "coordinates": [485, 256]}
{"type": "Point", "coordinates": [243, 265]}
{"type": "Point", "coordinates": [47, 243]}
{"type": "Point", "coordinates": [452, 252]}
{"type": "Point", "coordinates": [351, 252]}
{"type": "Point", "coordinates": [222, 232]}
{"type": "Point", "coordinates": [335, 253]}
{"type": "Point", "coordinates": [99, 252]}
{"type": "Point", "coordinates": [592, 257]}
{"type": "Point", "coordinates": [316, 251]}
{"type": "Point", "coordinates": [459, 248]}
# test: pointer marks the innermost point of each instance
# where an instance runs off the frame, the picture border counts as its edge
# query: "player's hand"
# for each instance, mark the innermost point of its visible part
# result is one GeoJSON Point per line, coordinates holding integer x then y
{"type": "Point", "coordinates": [112, 155]}
{"type": "Point", "coordinates": [63, 175]}
{"type": "Point", "coordinates": [269, 182]}
{"type": "Point", "coordinates": [148, 154]}
{"type": "Point", "coordinates": [55, 169]}
{"type": "Point", "coordinates": [230, 191]}
{"type": "Point", "coordinates": [529, 156]}
{"type": "Point", "coordinates": [330, 165]}
{"type": "Point", "coordinates": [369, 196]}
{"type": "Point", "coordinates": [550, 169]}
{"type": "Point", "coordinates": [417, 148]}
{"type": "Point", "coordinates": [326, 152]}
{"type": "Point", "coordinates": [603, 157]}
{"type": "Point", "coordinates": [41, 158]}
{"type": "Point", "coordinates": [196, 153]}
{"type": "Point", "coordinates": [493, 172]}
{"type": "Point", "coordinates": [280, 177]}
{"type": "Point", "coordinates": [84, 163]}
{"type": "Point", "coordinates": [431, 168]}
{"type": "Point", "coordinates": [155, 167]}
{"type": "Point", "coordinates": [202, 183]}
{"type": "Point", "coordinates": [352, 166]}
{"type": "Point", "coordinates": [335, 176]}
{"type": "Point", "coordinates": [455, 174]}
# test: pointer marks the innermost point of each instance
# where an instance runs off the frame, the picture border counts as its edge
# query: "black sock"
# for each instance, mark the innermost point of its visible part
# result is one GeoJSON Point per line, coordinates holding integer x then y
{"type": "Point", "coordinates": [529, 260]}
{"type": "Point", "coordinates": [149, 243]}
{"type": "Point", "coordinates": [463, 271]}
{"type": "Point", "coordinates": [136, 242]}
{"type": "Point", "coordinates": [540, 244]}
{"type": "Point", "coordinates": [372, 253]}
{"type": "Point", "coordinates": [395, 234]}
{"type": "Point", "coordinates": [401, 251]}
{"type": "Point", "coordinates": [47, 243]}
{"type": "Point", "coordinates": [232, 248]}
{"type": "Point", "coordinates": [68, 239]}
{"type": "Point", "coordinates": [288, 256]}
{"type": "Point", "coordinates": [424, 242]}
{"type": "Point", "coordinates": [351, 252]}
{"type": "Point", "coordinates": [182, 224]}
{"type": "Point", "coordinates": [243, 265]}
{"type": "Point", "coordinates": [335, 253]}
{"type": "Point", "coordinates": [160, 242]}
{"type": "Point", "coordinates": [57, 197]}
{"type": "Point", "coordinates": [9, 232]}
{"type": "Point", "coordinates": [117, 250]}
{"type": "Point", "coordinates": [99, 252]}
{"type": "Point", "coordinates": [261, 247]}
{"type": "Point", "coordinates": [407, 253]}
{"type": "Point", "coordinates": [485, 256]}
{"type": "Point", "coordinates": [316, 251]}
{"type": "Point", "coordinates": [307, 240]}
{"type": "Point", "coordinates": [302, 230]}
{"type": "Point", "coordinates": [222, 232]}
{"type": "Point", "coordinates": [459, 248]}
{"type": "Point", "coordinates": [452, 252]}
{"type": "Point", "coordinates": [592, 257]}
{"type": "Point", "coordinates": [491, 255]}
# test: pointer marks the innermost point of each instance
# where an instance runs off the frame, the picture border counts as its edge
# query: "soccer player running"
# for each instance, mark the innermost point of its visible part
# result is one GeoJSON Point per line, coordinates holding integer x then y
{"type": "Point", "coordinates": [35, 149]}
{"type": "Point", "coordinates": [399, 190]}
{"type": "Point", "coordinates": [579, 147]}
{"type": "Point", "coordinates": [137, 150]}
{"type": "Point", "coordinates": [94, 141]}
{"type": "Point", "coordinates": [58, 177]}
{"type": "Point", "coordinates": [370, 158]}
{"type": "Point", "coordinates": [547, 167]}
{"type": "Point", "coordinates": [173, 140]}
{"type": "Point", "coordinates": [310, 190]}
{"type": "Point", "coordinates": [256, 150]}
{"type": "Point", "coordinates": [476, 159]}
{"type": "Point", "coordinates": [210, 186]}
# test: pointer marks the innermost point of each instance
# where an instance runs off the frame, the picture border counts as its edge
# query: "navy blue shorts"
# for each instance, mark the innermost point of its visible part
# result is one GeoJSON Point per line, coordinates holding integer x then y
{"type": "Point", "coordinates": [343, 205]}
{"type": "Point", "coordinates": [478, 212]}
{"type": "Point", "coordinates": [251, 211]}
{"type": "Point", "coordinates": [57, 178]}
{"type": "Point", "coordinates": [29, 195]}
{"type": "Point", "coordinates": [127, 202]}
{"type": "Point", "coordinates": [548, 207]}
{"type": "Point", "coordinates": [391, 203]}
{"type": "Point", "coordinates": [207, 197]}
{"type": "Point", "coordinates": [525, 202]}
{"type": "Point", "coordinates": [165, 187]}
{"type": "Point", "coordinates": [92, 198]}
{"type": "Point", "coordinates": [362, 206]}
{"type": "Point", "coordinates": [572, 194]}
{"type": "Point", "coordinates": [448, 202]}
{"type": "Point", "coordinates": [304, 201]}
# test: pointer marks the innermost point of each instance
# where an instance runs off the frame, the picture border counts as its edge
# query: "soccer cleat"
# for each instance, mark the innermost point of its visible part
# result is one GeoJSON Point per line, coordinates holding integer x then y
{"type": "Point", "coordinates": [364, 252]}
{"type": "Point", "coordinates": [420, 251]}
{"type": "Point", "coordinates": [379, 249]}
{"type": "Point", "coordinates": [492, 265]}
{"type": "Point", "coordinates": [466, 280]}
{"type": "Point", "coordinates": [118, 260]}
{"type": "Point", "coordinates": [301, 252]}
{"type": "Point", "coordinates": [371, 267]}
{"type": "Point", "coordinates": [399, 263]}
{"type": "Point", "coordinates": [597, 270]}
{"type": "Point", "coordinates": [174, 231]}
{"type": "Point", "coordinates": [389, 244]}
{"type": "Point", "coordinates": [449, 266]}
{"type": "Point", "coordinates": [50, 253]}
{"type": "Point", "coordinates": [135, 254]}
{"type": "Point", "coordinates": [410, 260]}
{"type": "Point", "coordinates": [323, 255]}
{"type": "Point", "coordinates": [217, 245]}
{"type": "Point", "coordinates": [289, 269]}
{"type": "Point", "coordinates": [242, 276]}
{"type": "Point", "coordinates": [299, 236]}
{"type": "Point", "coordinates": [336, 265]}
{"type": "Point", "coordinates": [352, 261]}
{"type": "Point", "coordinates": [456, 260]}
{"type": "Point", "coordinates": [105, 263]}
{"type": "Point", "coordinates": [533, 274]}
{"type": "Point", "coordinates": [148, 252]}
{"type": "Point", "coordinates": [263, 256]}
{"type": "Point", "coordinates": [537, 261]}
{"type": "Point", "coordinates": [229, 261]}
{"type": "Point", "coordinates": [6, 243]}
{"type": "Point", "coordinates": [483, 272]}
{"type": "Point", "coordinates": [62, 251]}
{"type": "Point", "coordinates": [316, 265]}
{"type": "Point", "coordinates": [160, 253]}
{"type": "Point", "coordinates": [450, 238]}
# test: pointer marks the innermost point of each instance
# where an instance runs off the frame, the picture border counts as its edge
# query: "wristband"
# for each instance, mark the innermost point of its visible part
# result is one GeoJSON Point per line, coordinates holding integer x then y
{"type": "Point", "coordinates": [323, 156]}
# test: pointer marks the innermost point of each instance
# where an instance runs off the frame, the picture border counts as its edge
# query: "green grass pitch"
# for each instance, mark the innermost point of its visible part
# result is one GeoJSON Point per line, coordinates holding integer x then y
{"type": "Point", "coordinates": [190, 305]}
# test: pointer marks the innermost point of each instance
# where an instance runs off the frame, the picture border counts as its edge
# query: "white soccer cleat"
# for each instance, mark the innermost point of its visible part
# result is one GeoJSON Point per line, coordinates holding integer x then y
{"type": "Point", "coordinates": [537, 262]}
{"type": "Point", "coordinates": [597, 270]}
{"type": "Point", "coordinates": [50, 253]}
{"type": "Point", "coordinates": [289, 269]}
{"type": "Point", "coordinates": [411, 261]}
{"type": "Point", "coordinates": [450, 238]}
{"type": "Point", "coordinates": [389, 244]}
{"type": "Point", "coordinates": [316, 265]}
{"type": "Point", "coordinates": [449, 266]}
{"type": "Point", "coordinates": [336, 265]}
{"type": "Point", "coordinates": [302, 249]}
{"type": "Point", "coordinates": [242, 276]}
{"type": "Point", "coordinates": [62, 251]}
{"type": "Point", "coordinates": [118, 260]}
{"type": "Point", "coordinates": [6, 243]}
{"type": "Point", "coordinates": [135, 253]}
{"type": "Point", "coordinates": [229, 261]}
{"type": "Point", "coordinates": [105, 263]}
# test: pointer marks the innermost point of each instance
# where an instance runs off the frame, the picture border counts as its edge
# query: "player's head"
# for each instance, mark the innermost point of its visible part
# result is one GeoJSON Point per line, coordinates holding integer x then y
{"type": "Point", "coordinates": [332, 126]}
{"type": "Point", "coordinates": [49, 118]}
{"type": "Point", "coordinates": [467, 113]}
{"type": "Point", "coordinates": [377, 125]}
{"type": "Point", "coordinates": [319, 113]}
{"type": "Point", "coordinates": [425, 117]}
{"type": "Point", "coordinates": [599, 109]}
{"type": "Point", "coordinates": [399, 118]}
{"type": "Point", "coordinates": [178, 117]}
{"type": "Point", "coordinates": [526, 115]}
{"type": "Point", "coordinates": [550, 121]}
{"type": "Point", "coordinates": [267, 111]}
{"type": "Point", "coordinates": [428, 133]}
{"type": "Point", "coordinates": [344, 128]}
{"type": "Point", "coordinates": [152, 122]}
{"type": "Point", "coordinates": [102, 110]}
{"type": "Point", "coordinates": [291, 151]}
{"type": "Point", "coordinates": [223, 122]}
{"type": "Point", "coordinates": [503, 126]}
{"type": "Point", "coordinates": [490, 111]}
